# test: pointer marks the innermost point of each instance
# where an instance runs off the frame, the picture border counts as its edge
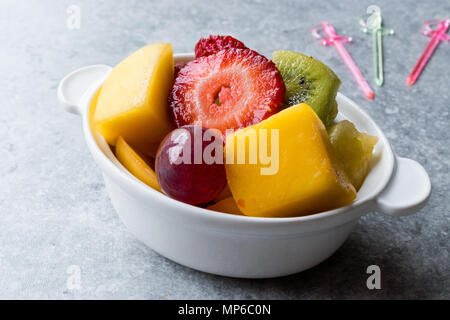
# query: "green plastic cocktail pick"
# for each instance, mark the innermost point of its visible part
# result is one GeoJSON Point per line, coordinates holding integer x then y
{"type": "Point", "coordinates": [374, 25]}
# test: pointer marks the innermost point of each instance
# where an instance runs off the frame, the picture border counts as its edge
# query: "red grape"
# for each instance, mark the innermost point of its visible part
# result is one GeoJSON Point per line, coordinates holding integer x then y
{"type": "Point", "coordinates": [185, 171]}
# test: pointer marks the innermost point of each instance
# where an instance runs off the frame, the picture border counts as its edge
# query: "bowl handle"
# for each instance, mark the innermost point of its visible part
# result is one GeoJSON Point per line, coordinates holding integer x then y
{"type": "Point", "coordinates": [408, 190]}
{"type": "Point", "coordinates": [73, 86]}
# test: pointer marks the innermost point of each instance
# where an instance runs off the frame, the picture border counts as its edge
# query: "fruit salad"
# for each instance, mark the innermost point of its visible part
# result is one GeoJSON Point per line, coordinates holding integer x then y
{"type": "Point", "coordinates": [232, 130]}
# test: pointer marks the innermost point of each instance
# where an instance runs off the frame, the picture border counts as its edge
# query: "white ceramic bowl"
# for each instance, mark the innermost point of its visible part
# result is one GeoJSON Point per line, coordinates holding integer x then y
{"type": "Point", "coordinates": [240, 246]}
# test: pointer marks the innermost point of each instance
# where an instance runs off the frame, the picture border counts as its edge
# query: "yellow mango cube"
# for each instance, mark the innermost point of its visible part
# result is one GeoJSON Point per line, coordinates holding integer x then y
{"type": "Point", "coordinates": [227, 205]}
{"type": "Point", "coordinates": [133, 99]}
{"type": "Point", "coordinates": [93, 107]}
{"type": "Point", "coordinates": [135, 164]}
{"type": "Point", "coordinates": [306, 179]}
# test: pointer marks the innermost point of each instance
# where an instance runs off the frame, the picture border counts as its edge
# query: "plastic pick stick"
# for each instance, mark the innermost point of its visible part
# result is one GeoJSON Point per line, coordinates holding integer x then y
{"type": "Point", "coordinates": [437, 35]}
{"type": "Point", "coordinates": [338, 42]}
{"type": "Point", "coordinates": [374, 26]}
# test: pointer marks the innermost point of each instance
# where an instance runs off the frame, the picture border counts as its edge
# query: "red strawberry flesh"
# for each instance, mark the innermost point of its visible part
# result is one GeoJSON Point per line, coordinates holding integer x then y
{"type": "Point", "coordinates": [231, 89]}
{"type": "Point", "coordinates": [178, 67]}
{"type": "Point", "coordinates": [214, 44]}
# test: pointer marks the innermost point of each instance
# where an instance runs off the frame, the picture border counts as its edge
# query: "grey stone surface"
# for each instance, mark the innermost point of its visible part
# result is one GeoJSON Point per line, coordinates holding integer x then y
{"type": "Point", "coordinates": [54, 210]}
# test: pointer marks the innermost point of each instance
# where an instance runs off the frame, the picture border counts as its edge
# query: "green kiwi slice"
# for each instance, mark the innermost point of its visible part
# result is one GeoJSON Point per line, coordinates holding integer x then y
{"type": "Point", "coordinates": [310, 81]}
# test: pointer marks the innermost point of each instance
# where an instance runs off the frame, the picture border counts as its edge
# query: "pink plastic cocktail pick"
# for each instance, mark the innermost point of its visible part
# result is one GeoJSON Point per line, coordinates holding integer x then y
{"type": "Point", "coordinates": [338, 41]}
{"type": "Point", "coordinates": [437, 35]}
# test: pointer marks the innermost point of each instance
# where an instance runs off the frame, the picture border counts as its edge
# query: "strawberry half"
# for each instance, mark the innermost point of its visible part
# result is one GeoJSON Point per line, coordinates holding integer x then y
{"type": "Point", "coordinates": [214, 44]}
{"type": "Point", "coordinates": [231, 89]}
{"type": "Point", "coordinates": [177, 68]}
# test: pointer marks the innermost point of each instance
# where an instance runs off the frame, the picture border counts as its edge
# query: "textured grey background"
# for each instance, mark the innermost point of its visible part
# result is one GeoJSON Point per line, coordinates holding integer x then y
{"type": "Point", "coordinates": [54, 210]}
